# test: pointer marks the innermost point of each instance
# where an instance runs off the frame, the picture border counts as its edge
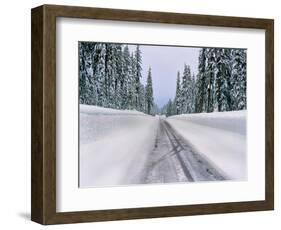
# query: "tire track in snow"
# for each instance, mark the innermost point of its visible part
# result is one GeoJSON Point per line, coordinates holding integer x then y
{"type": "Point", "coordinates": [199, 167]}
{"type": "Point", "coordinates": [174, 160]}
{"type": "Point", "coordinates": [177, 147]}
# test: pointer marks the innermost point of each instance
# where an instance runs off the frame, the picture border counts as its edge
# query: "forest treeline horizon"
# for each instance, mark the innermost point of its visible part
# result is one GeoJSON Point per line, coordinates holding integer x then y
{"type": "Point", "coordinates": [110, 76]}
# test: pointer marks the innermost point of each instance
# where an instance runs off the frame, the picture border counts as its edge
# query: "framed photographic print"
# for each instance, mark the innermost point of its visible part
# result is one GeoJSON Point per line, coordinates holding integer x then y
{"type": "Point", "coordinates": [140, 114]}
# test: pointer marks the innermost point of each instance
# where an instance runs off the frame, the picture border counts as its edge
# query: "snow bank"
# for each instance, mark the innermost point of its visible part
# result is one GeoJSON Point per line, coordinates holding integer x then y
{"type": "Point", "coordinates": [219, 136]}
{"type": "Point", "coordinates": [114, 145]}
{"type": "Point", "coordinates": [96, 110]}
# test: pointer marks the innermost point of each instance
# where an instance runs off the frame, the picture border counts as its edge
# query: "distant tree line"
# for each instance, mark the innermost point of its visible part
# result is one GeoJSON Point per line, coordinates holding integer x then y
{"type": "Point", "coordinates": [220, 84]}
{"type": "Point", "coordinates": [110, 76]}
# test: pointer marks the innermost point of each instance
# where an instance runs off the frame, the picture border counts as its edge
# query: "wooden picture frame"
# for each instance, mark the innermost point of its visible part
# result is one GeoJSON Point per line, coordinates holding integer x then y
{"type": "Point", "coordinates": [43, 160]}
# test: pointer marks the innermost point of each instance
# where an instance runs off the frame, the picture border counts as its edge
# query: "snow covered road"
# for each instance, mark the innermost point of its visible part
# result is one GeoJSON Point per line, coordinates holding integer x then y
{"type": "Point", "coordinates": [174, 160]}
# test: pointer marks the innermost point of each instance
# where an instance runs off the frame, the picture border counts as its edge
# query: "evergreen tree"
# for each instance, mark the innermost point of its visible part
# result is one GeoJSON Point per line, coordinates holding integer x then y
{"type": "Point", "coordinates": [100, 50]}
{"type": "Point", "coordinates": [221, 80]}
{"type": "Point", "coordinates": [192, 93]}
{"type": "Point", "coordinates": [155, 109]}
{"type": "Point", "coordinates": [142, 100]}
{"type": "Point", "coordinates": [125, 78]}
{"type": "Point", "coordinates": [132, 94]}
{"type": "Point", "coordinates": [196, 95]}
{"type": "Point", "coordinates": [83, 76]}
{"type": "Point", "coordinates": [111, 75]}
{"type": "Point", "coordinates": [186, 90]}
{"type": "Point", "coordinates": [210, 79]}
{"type": "Point", "coordinates": [169, 109]}
{"type": "Point", "coordinates": [87, 86]}
{"type": "Point", "coordinates": [201, 84]}
{"type": "Point", "coordinates": [238, 89]}
{"type": "Point", "coordinates": [119, 80]}
{"type": "Point", "coordinates": [149, 101]}
{"type": "Point", "coordinates": [138, 68]}
{"type": "Point", "coordinates": [178, 95]}
{"type": "Point", "coordinates": [223, 75]}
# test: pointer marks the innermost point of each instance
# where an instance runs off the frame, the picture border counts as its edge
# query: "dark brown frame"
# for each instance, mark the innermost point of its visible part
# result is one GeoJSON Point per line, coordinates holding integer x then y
{"type": "Point", "coordinates": [43, 159]}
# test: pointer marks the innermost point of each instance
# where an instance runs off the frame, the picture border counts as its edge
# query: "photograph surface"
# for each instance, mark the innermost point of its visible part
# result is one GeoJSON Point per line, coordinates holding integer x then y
{"type": "Point", "coordinates": [151, 114]}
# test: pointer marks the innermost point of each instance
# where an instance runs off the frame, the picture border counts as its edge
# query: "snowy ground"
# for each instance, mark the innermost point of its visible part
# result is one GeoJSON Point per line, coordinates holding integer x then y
{"type": "Point", "coordinates": [114, 145]}
{"type": "Point", "coordinates": [130, 147]}
{"type": "Point", "coordinates": [220, 137]}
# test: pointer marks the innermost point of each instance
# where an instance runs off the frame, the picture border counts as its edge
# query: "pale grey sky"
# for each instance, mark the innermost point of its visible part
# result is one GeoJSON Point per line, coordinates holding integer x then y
{"type": "Point", "coordinates": [165, 62]}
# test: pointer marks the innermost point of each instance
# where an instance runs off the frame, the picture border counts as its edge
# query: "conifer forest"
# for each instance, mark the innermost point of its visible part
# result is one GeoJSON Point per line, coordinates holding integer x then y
{"type": "Point", "coordinates": [110, 76]}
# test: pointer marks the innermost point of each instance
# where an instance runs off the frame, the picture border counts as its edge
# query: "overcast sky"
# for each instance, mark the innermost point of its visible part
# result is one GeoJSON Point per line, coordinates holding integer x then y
{"type": "Point", "coordinates": [165, 62]}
